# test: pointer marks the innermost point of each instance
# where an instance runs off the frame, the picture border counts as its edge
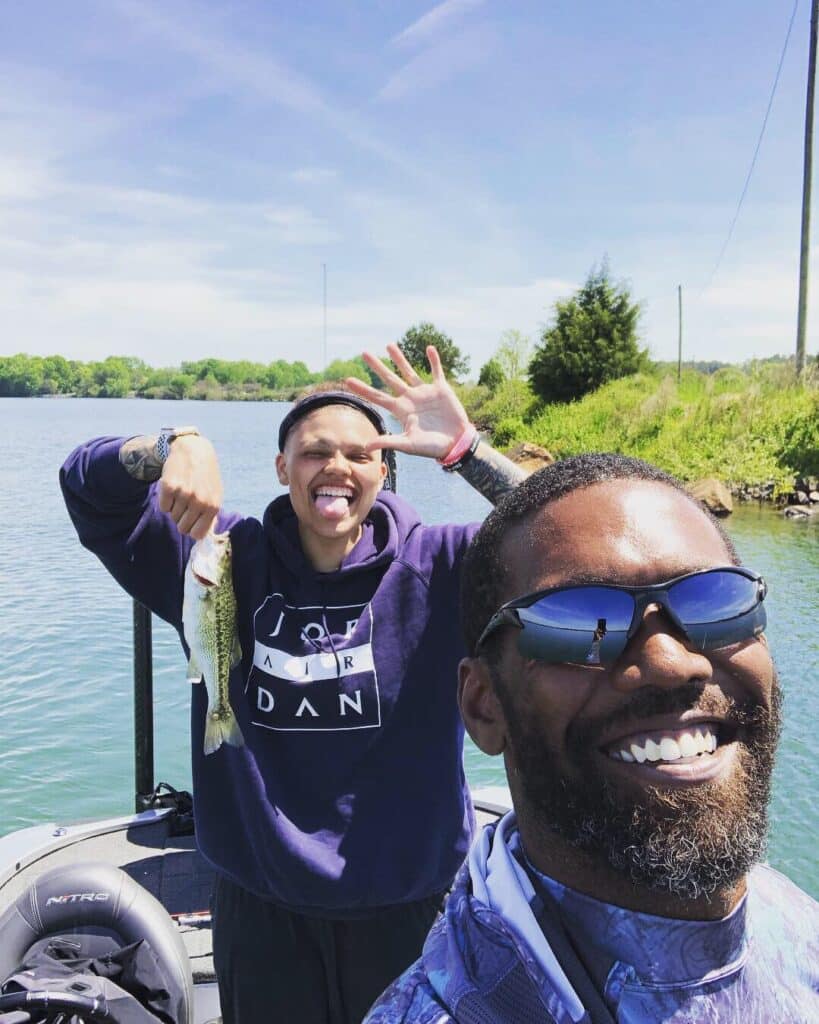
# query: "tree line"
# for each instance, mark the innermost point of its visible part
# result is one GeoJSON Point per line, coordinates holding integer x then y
{"type": "Point", "coordinates": [591, 340]}
{"type": "Point", "coordinates": [123, 376]}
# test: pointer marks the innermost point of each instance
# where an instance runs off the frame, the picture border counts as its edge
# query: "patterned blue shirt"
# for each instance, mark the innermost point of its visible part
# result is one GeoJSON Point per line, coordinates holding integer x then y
{"type": "Point", "coordinates": [487, 961]}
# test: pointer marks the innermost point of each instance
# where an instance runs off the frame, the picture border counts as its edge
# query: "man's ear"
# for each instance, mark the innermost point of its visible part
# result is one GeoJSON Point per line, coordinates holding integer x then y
{"type": "Point", "coordinates": [281, 470]}
{"type": "Point", "coordinates": [480, 708]}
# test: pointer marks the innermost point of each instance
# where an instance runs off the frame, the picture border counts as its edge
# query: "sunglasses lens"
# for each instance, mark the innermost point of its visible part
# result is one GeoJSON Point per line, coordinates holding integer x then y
{"type": "Point", "coordinates": [583, 625]}
{"type": "Point", "coordinates": [718, 608]}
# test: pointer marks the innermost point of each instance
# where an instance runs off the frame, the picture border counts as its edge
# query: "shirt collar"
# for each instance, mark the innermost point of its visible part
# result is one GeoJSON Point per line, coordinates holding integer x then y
{"type": "Point", "coordinates": [661, 950]}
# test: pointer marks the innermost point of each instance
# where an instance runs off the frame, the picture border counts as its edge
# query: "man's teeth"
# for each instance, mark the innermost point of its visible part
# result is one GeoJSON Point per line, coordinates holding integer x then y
{"type": "Point", "coordinates": [688, 743]}
{"type": "Point", "coordinates": [334, 492]}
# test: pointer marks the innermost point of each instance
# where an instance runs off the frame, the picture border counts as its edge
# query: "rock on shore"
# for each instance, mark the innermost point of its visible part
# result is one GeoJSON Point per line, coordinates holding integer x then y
{"type": "Point", "coordinates": [714, 495]}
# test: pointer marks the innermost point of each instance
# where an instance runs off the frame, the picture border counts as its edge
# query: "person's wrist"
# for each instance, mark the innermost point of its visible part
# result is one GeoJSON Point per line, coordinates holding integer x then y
{"type": "Point", "coordinates": [170, 435]}
{"type": "Point", "coordinates": [462, 449]}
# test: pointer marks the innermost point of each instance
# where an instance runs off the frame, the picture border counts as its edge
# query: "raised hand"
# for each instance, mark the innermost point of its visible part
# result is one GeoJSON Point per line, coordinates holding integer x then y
{"type": "Point", "coordinates": [429, 412]}
{"type": "Point", "coordinates": [190, 489]}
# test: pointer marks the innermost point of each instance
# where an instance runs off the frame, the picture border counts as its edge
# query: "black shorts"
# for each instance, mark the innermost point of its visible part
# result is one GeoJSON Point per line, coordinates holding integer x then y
{"type": "Point", "coordinates": [280, 967]}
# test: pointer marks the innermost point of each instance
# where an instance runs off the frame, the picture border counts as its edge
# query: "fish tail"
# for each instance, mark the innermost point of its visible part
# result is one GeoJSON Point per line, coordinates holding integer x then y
{"type": "Point", "coordinates": [220, 729]}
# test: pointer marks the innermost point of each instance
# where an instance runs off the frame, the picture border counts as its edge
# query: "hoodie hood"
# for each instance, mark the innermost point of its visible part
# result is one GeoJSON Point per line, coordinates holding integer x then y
{"type": "Point", "coordinates": [388, 525]}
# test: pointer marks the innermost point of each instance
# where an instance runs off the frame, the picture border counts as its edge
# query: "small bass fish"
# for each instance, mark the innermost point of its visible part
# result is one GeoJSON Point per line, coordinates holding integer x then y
{"type": "Point", "coordinates": [209, 624]}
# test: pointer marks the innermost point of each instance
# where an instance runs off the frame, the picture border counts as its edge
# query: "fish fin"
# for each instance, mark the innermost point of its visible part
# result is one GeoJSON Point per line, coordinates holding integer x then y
{"type": "Point", "coordinates": [235, 653]}
{"type": "Point", "coordinates": [194, 672]}
{"type": "Point", "coordinates": [222, 730]}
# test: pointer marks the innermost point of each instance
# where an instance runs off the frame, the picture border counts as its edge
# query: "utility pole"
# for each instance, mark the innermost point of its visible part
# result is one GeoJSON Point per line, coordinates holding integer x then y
{"type": "Point", "coordinates": [679, 335]}
{"type": "Point", "coordinates": [324, 280]}
{"type": "Point", "coordinates": [807, 173]}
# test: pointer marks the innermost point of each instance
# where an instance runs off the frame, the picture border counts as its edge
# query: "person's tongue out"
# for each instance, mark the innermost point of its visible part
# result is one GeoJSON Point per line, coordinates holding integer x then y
{"type": "Point", "coordinates": [333, 502]}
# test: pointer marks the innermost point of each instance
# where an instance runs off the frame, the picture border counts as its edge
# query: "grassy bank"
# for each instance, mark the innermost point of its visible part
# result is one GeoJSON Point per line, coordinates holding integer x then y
{"type": "Point", "coordinates": [746, 426]}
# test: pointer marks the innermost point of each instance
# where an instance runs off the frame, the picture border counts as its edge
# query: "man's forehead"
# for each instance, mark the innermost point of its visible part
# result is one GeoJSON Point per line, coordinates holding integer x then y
{"type": "Point", "coordinates": [618, 531]}
{"type": "Point", "coordinates": [334, 422]}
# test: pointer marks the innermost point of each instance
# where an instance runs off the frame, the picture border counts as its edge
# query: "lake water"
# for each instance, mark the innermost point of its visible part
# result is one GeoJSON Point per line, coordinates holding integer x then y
{"type": "Point", "coordinates": [66, 680]}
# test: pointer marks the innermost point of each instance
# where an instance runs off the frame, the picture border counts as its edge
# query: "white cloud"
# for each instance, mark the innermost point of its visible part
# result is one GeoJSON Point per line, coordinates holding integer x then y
{"type": "Point", "coordinates": [241, 69]}
{"type": "Point", "coordinates": [298, 226]}
{"type": "Point", "coordinates": [436, 20]}
{"type": "Point", "coordinates": [313, 175]}
{"type": "Point", "coordinates": [23, 178]}
{"type": "Point", "coordinates": [438, 64]}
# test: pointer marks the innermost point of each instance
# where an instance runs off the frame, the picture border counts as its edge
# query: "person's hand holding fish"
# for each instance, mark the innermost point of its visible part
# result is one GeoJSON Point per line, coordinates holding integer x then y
{"type": "Point", "coordinates": [190, 489]}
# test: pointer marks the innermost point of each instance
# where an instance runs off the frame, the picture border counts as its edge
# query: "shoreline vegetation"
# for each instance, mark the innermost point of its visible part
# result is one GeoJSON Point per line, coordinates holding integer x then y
{"type": "Point", "coordinates": [753, 427]}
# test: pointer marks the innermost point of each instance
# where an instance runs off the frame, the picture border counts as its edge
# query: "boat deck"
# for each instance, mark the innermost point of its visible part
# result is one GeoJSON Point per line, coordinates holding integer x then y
{"type": "Point", "coordinates": [169, 866]}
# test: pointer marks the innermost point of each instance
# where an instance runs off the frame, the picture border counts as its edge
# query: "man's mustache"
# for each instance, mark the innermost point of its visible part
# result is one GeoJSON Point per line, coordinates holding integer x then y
{"type": "Point", "coordinates": [655, 701]}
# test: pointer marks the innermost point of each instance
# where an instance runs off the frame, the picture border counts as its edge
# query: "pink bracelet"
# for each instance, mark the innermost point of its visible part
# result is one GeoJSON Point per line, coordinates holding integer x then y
{"type": "Point", "coordinates": [460, 448]}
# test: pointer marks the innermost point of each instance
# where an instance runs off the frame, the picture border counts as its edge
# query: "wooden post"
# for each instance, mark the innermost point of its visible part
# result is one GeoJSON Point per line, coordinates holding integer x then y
{"type": "Point", "coordinates": [807, 173]}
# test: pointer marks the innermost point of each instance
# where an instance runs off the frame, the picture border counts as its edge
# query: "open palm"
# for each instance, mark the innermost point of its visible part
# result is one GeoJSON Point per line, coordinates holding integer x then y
{"type": "Point", "coordinates": [430, 413]}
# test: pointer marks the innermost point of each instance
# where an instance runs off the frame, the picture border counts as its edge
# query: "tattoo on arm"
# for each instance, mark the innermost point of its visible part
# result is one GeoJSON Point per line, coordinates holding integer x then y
{"type": "Point", "coordinates": [491, 473]}
{"type": "Point", "coordinates": [138, 457]}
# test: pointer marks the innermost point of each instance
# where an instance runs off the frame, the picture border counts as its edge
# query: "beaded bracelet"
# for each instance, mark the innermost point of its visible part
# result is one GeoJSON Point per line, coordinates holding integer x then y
{"type": "Point", "coordinates": [452, 465]}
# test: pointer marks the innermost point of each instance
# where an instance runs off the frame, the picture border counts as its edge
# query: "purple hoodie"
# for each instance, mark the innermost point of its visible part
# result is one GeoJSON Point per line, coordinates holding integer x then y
{"type": "Point", "coordinates": [349, 794]}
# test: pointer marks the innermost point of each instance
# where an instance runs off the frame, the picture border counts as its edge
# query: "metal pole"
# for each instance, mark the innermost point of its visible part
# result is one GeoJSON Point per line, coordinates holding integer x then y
{"type": "Point", "coordinates": [807, 174]}
{"type": "Point", "coordinates": [143, 707]}
{"type": "Point", "coordinates": [679, 336]}
{"type": "Point", "coordinates": [324, 275]}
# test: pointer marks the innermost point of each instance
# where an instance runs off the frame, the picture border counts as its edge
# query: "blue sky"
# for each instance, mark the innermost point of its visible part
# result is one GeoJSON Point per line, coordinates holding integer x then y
{"type": "Point", "coordinates": [173, 175]}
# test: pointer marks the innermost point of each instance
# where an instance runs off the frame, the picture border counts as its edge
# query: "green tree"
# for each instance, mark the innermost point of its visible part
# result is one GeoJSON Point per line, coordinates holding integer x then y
{"type": "Point", "coordinates": [491, 375]}
{"type": "Point", "coordinates": [341, 368]}
{"type": "Point", "coordinates": [58, 375]}
{"type": "Point", "coordinates": [593, 340]}
{"type": "Point", "coordinates": [21, 375]}
{"type": "Point", "coordinates": [414, 346]}
{"type": "Point", "coordinates": [513, 354]}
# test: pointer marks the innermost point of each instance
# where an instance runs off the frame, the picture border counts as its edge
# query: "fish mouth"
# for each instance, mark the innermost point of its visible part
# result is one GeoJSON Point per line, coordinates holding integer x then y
{"type": "Point", "coordinates": [203, 580]}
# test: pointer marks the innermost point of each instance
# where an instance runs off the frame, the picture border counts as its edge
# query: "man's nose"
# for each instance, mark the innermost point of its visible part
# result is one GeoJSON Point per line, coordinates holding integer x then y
{"type": "Point", "coordinates": [337, 463]}
{"type": "Point", "coordinates": [659, 655]}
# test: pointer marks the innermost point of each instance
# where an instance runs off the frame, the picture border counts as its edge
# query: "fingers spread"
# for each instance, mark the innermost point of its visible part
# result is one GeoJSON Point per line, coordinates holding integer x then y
{"type": "Point", "coordinates": [435, 363]}
{"type": "Point", "coordinates": [381, 369]}
{"type": "Point", "coordinates": [373, 395]}
{"type": "Point", "coordinates": [403, 364]}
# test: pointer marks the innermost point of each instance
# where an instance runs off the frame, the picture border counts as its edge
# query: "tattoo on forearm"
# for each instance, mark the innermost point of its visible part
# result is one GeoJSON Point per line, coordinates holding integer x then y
{"type": "Point", "coordinates": [138, 456]}
{"type": "Point", "coordinates": [491, 473]}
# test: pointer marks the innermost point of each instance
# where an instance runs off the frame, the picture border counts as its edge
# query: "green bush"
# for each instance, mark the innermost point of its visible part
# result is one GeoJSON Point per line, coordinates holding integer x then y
{"type": "Point", "coordinates": [749, 427]}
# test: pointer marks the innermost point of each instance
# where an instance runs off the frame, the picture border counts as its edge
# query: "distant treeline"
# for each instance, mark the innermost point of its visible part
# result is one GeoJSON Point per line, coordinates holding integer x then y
{"type": "Point", "coordinates": [24, 376]}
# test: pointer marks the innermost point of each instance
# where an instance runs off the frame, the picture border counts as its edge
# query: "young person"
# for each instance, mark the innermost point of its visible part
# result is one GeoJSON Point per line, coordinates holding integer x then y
{"type": "Point", "coordinates": [617, 662]}
{"type": "Point", "coordinates": [337, 826]}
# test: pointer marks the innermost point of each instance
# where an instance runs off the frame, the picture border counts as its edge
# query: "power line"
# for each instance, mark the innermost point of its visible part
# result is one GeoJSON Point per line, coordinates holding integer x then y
{"type": "Point", "coordinates": [756, 151]}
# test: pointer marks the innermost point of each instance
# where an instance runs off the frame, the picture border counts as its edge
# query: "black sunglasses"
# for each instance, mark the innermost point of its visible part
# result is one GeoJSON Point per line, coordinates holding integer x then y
{"type": "Point", "coordinates": [591, 624]}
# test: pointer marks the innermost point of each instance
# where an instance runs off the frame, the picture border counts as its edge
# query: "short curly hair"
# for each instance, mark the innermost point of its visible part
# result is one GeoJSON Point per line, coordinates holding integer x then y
{"type": "Point", "coordinates": [484, 574]}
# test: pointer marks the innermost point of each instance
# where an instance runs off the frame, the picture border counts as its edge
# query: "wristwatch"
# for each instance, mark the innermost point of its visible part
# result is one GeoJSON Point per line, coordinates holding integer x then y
{"type": "Point", "coordinates": [166, 436]}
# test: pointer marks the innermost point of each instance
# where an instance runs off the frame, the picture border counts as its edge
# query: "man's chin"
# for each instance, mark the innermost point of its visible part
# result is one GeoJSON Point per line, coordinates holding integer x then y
{"type": "Point", "coordinates": [686, 843]}
{"type": "Point", "coordinates": [689, 842]}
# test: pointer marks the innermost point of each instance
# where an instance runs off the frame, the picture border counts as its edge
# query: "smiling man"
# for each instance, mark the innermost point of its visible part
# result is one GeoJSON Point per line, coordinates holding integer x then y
{"type": "Point", "coordinates": [620, 667]}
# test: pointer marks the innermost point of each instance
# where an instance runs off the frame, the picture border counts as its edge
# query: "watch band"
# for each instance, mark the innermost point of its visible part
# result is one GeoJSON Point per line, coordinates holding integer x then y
{"type": "Point", "coordinates": [166, 436]}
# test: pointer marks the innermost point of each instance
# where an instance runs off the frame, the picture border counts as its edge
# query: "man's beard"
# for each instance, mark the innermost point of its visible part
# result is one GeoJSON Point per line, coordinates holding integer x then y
{"type": "Point", "coordinates": [688, 842]}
